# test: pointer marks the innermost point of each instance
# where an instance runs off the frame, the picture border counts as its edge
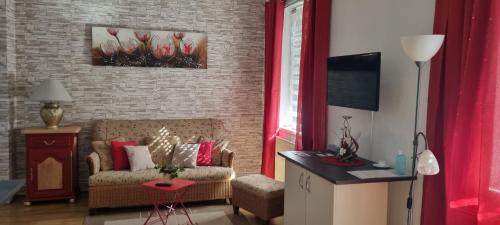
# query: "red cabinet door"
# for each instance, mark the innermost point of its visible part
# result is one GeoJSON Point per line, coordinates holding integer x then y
{"type": "Point", "coordinates": [50, 171]}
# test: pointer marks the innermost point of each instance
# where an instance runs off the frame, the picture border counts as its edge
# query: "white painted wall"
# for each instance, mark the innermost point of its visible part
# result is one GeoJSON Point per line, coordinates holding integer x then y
{"type": "Point", "coordinates": [360, 26]}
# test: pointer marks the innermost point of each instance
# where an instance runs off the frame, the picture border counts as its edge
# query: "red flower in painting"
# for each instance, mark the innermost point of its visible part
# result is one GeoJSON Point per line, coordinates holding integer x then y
{"type": "Point", "coordinates": [169, 51]}
{"type": "Point", "coordinates": [162, 51]}
{"type": "Point", "coordinates": [113, 31]}
{"type": "Point", "coordinates": [159, 52]}
{"type": "Point", "coordinates": [187, 47]}
{"type": "Point", "coordinates": [161, 48]}
{"type": "Point", "coordinates": [109, 48]}
{"type": "Point", "coordinates": [130, 46]}
{"type": "Point", "coordinates": [179, 35]}
{"type": "Point", "coordinates": [142, 36]}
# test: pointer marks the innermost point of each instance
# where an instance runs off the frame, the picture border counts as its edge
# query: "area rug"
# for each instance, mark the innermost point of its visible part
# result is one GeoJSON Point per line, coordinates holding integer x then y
{"type": "Point", "coordinates": [8, 188]}
{"type": "Point", "coordinates": [209, 218]}
{"type": "Point", "coordinates": [204, 215]}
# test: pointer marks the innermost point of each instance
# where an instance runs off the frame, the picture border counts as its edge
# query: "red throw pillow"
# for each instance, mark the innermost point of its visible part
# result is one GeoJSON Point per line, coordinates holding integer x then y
{"type": "Point", "coordinates": [120, 159]}
{"type": "Point", "coordinates": [205, 153]}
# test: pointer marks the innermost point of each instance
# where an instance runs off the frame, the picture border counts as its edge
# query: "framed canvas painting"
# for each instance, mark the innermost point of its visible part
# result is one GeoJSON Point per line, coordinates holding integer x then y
{"type": "Point", "coordinates": [113, 46]}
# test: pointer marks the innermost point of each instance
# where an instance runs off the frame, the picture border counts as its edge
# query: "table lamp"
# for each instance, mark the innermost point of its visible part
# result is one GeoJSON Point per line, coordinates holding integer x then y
{"type": "Point", "coordinates": [50, 92]}
{"type": "Point", "coordinates": [420, 48]}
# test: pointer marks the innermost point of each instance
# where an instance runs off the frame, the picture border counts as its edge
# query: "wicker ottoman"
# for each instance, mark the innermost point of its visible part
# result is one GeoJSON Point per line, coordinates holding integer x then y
{"type": "Point", "coordinates": [259, 195]}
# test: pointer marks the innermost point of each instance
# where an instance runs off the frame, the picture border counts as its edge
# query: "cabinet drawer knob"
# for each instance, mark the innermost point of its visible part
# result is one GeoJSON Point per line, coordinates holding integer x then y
{"type": "Point", "coordinates": [49, 142]}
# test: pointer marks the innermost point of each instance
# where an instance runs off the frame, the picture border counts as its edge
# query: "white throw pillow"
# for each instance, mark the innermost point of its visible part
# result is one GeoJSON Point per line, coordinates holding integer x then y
{"type": "Point", "coordinates": [185, 155]}
{"type": "Point", "coordinates": [139, 158]}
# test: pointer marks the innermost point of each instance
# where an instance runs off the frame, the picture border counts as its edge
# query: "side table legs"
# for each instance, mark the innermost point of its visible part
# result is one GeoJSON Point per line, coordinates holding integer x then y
{"type": "Point", "coordinates": [163, 217]}
{"type": "Point", "coordinates": [178, 201]}
{"type": "Point", "coordinates": [156, 210]}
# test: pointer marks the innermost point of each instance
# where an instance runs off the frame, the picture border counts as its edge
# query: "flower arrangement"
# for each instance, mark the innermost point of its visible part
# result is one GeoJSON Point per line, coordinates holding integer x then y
{"type": "Point", "coordinates": [126, 47]}
{"type": "Point", "coordinates": [348, 145]}
{"type": "Point", "coordinates": [171, 170]}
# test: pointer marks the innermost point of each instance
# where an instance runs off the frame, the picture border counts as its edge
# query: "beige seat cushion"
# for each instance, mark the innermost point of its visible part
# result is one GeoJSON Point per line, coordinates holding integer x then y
{"type": "Point", "coordinates": [112, 177]}
{"type": "Point", "coordinates": [201, 173]}
{"type": "Point", "coordinates": [207, 173]}
{"type": "Point", "coordinates": [259, 185]}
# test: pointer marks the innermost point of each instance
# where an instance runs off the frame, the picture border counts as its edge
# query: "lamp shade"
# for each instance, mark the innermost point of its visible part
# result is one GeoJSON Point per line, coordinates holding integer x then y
{"type": "Point", "coordinates": [50, 91]}
{"type": "Point", "coordinates": [421, 48]}
{"type": "Point", "coordinates": [427, 163]}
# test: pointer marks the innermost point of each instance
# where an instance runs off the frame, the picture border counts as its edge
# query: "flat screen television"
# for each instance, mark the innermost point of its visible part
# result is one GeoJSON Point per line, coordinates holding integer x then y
{"type": "Point", "coordinates": [354, 81]}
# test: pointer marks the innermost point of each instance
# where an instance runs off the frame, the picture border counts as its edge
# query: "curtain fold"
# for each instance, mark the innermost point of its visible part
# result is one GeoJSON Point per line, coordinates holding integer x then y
{"type": "Point", "coordinates": [312, 106]}
{"type": "Point", "coordinates": [464, 116]}
{"type": "Point", "coordinates": [274, 15]}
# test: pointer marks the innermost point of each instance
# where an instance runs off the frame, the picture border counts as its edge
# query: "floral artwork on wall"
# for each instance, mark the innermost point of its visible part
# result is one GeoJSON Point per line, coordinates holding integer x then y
{"type": "Point", "coordinates": [113, 46]}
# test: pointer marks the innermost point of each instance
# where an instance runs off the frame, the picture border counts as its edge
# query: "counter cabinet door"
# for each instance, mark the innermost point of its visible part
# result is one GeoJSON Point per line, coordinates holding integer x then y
{"type": "Point", "coordinates": [295, 195]}
{"type": "Point", "coordinates": [319, 200]}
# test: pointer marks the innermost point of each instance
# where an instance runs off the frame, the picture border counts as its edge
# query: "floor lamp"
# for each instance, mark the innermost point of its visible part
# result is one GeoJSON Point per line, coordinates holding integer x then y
{"type": "Point", "coordinates": [420, 49]}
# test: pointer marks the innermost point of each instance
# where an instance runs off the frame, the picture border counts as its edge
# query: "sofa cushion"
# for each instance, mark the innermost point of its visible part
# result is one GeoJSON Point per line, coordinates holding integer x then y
{"type": "Point", "coordinates": [117, 177]}
{"type": "Point", "coordinates": [185, 155]}
{"type": "Point", "coordinates": [207, 173]}
{"type": "Point", "coordinates": [123, 177]}
{"type": "Point", "coordinates": [205, 153]}
{"type": "Point", "coordinates": [103, 149]}
{"type": "Point", "coordinates": [139, 158]}
{"type": "Point", "coordinates": [94, 163]}
{"type": "Point", "coordinates": [120, 159]}
{"type": "Point", "coordinates": [162, 148]}
{"type": "Point", "coordinates": [218, 146]}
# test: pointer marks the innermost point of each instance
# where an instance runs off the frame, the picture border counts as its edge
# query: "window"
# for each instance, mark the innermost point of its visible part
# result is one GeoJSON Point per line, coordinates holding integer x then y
{"type": "Point", "coordinates": [494, 184]}
{"type": "Point", "coordinates": [290, 65]}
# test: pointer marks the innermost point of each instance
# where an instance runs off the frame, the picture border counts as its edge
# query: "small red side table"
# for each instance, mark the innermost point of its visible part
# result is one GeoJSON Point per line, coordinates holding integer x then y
{"type": "Point", "coordinates": [178, 188]}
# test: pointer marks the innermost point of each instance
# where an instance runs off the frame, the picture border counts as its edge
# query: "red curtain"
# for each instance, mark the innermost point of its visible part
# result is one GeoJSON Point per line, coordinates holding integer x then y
{"type": "Point", "coordinates": [464, 116]}
{"type": "Point", "coordinates": [312, 106]}
{"type": "Point", "coordinates": [274, 14]}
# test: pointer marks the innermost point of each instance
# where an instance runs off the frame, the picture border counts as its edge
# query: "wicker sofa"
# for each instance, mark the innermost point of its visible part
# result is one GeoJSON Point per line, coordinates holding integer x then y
{"type": "Point", "coordinates": [113, 189]}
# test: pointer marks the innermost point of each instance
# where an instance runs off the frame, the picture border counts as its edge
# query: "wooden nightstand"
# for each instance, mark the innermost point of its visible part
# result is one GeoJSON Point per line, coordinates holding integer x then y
{"type": "Point", "coordinates": [51, 163]}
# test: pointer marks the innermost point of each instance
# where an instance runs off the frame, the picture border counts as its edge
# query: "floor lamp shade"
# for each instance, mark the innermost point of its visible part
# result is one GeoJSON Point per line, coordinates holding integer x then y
{"type": "Point", "coordinates": [51, 92]}
{"type": "Point", "coordinates": [422, 48]}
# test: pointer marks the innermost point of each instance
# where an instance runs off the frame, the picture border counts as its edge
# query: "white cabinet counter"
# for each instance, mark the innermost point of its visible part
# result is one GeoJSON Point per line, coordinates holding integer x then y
{"type": "Point", "coordinates": [323, 194]}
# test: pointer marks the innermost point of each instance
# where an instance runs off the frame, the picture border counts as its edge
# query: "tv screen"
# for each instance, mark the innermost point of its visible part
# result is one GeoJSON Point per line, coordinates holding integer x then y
{"type": "Point", "coordinates": [353, 81]}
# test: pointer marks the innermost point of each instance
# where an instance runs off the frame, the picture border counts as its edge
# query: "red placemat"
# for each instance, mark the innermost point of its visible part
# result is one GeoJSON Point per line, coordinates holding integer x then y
{"type": "Point", "coordinates": [334, 161]}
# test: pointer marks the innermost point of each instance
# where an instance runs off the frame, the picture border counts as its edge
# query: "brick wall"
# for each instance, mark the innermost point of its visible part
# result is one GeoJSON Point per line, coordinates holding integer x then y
{"type": "Point", "coordinates": [7, 79]}
{"type": "Point", "coordinates": [4, 96]}
{"type": "Point", "coordinates": [53, 40]}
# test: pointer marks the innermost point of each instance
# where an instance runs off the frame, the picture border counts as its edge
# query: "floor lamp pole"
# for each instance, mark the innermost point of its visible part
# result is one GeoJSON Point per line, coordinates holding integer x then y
{"type": "Point", "coordinates": [420, 48]}
{"type": "Point", "coordinates": [409, 201]}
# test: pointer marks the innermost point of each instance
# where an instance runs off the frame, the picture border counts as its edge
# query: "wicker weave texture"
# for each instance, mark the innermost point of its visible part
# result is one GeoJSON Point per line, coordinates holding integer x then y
{"type": "Point", "coordinates": [136, 195]}
{"type": "Point", "coordinates": [263, 208]}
